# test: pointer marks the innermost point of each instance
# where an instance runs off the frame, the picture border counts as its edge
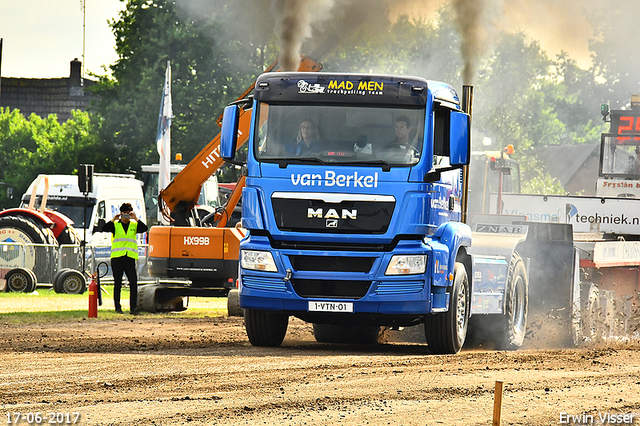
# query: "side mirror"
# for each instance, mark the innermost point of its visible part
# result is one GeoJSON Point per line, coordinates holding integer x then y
{"type": "Point", "coordinates": [99, 226]}
{"type": "Point", "coordinates": [229, 135]}
{"type": "Point", "coordinates": [459, 138]}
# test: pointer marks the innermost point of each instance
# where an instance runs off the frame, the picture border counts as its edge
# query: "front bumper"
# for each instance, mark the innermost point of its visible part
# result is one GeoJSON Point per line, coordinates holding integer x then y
{"type": "Point", "coordinates": [341, 276]}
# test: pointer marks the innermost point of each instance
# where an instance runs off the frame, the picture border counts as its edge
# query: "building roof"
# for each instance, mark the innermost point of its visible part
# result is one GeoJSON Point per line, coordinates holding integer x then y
{"type": "Point", "coordinates": [564, 161]}
{"type": "Point", "coordinates": [44, 96]}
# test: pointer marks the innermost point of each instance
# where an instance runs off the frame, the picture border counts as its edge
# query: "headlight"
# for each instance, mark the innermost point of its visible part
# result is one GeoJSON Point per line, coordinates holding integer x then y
{"type": "Point", "coordinates": [258, 260]}
{"type": "Point", "coordinates": [407, 265]}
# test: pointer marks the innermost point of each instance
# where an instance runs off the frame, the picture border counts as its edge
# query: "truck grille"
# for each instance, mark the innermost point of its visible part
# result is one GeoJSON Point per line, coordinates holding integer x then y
{"type": "Point", "coordinates": [347, 217]}
{"type": "Point", "coordinates": [332, 263]}
{"type": "Point", "coordinates": [333, 289]}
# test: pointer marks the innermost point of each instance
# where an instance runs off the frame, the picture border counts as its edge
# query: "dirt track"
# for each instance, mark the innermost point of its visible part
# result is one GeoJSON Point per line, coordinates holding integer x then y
{"type": "Point", "coordinates": [151, 371]}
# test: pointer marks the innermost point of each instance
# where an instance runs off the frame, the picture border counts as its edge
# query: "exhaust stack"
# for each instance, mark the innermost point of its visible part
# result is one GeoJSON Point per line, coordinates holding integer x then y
{"type": "Point", "coordinates": [467, 106]}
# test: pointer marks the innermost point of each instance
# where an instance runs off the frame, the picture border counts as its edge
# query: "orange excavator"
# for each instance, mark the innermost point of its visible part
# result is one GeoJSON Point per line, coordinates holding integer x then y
{"type": "Point", "coordinates": [188, 249]}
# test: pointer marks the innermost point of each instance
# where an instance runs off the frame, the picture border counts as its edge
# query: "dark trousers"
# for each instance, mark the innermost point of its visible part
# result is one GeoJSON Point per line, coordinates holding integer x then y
{"type": "Point", "coordinates": [126, 265]}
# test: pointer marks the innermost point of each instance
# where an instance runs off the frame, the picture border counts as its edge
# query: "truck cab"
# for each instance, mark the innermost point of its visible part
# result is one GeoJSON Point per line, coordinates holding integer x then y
{"type": "Point", "coordinates": [363, 227]}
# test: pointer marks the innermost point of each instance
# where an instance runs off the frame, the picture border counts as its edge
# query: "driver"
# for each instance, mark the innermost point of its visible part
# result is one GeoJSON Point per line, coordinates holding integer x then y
{"type": "Point", "coordinates": [403, 134]}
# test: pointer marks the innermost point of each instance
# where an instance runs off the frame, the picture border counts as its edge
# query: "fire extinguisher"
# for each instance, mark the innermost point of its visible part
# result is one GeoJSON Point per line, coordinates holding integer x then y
{"type": "Point", "coordinates": [95, 292]}
{"type": "Point", "coordinates": [93, 298]}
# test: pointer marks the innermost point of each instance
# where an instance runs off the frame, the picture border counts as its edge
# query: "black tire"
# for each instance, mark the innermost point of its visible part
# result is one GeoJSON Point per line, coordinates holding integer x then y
{"type": "Point", "coordinates": [34, 285]}
{"type": "Point", "coordinates": [590, 314]}
{"type": "Point", "coordinates": [265, 328]}
{"type": "Point", "coordinates": [72, 282]}
{"type": "Point", "coordinates": [516, 306]}
{"type": "Point", "coordinates": [30, 229]}
{"type": "Point", "coordinates": [56, 280]}
{"type": "Point", "coordinates": [446, 332]}
{"type": "Point", "coordinates": [233, 303]}
{"type": "Point", "coordinates": [70, 236]}
{"type": "Point", "coordinates": [36, 232]}
{"type": "Point", "coordinates": [506, 331]}
{"type": "Point", "coordinates": [358, 334]}
{"type": "Point", "coordinates": [20, 280]}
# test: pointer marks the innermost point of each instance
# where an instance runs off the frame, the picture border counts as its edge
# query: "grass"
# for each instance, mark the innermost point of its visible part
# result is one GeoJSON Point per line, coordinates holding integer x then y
{"type": "Point", "coordinates": [45, 305]}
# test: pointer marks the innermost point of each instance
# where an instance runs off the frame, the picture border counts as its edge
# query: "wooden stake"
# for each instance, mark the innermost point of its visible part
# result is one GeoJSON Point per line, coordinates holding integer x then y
{"type": "Point", "coordinates": [497, 403]}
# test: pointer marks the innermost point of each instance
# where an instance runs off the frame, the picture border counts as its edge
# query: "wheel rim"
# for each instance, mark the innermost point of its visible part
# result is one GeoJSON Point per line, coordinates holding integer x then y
{"type": "Point", "coordinates": [72, 285]}
{"type": "Point", "coordinates": [18, 282]}
{"type": "Point", "coordinates": [461, 313]}
{"type": "Point", "coordinates": [518, 303]}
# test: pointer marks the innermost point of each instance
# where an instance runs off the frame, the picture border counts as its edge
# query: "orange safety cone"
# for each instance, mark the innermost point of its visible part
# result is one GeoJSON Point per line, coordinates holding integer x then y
{"type": "Point", "coordinates": [93, 298]}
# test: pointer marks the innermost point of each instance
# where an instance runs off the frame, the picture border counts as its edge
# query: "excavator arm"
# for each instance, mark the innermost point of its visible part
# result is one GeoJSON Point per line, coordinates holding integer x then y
{"type": "Point", "coordinates": [181, 195]}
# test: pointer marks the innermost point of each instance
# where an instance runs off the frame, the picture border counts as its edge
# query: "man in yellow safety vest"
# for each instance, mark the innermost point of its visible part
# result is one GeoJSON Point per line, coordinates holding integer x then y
{"type": "Point", "coordinates": [124, 253]}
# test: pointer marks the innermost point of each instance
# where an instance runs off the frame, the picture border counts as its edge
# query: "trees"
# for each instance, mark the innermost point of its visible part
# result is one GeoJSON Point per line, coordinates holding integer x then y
{"type": "Point", "coordinates": [42, 145]}
{"type": "Point", "coordinates": [206, 75]}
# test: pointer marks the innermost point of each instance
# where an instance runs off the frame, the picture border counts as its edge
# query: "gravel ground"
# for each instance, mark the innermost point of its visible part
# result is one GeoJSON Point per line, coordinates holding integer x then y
{"type": "Point", "coordinates": [147, 370]}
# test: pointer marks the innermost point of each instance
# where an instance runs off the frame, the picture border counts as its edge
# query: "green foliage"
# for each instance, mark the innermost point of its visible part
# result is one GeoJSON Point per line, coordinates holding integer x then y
{"type": "Point", "coordinates": [43, 145]}
{"type": "Point", "coordinates": [206, 75]}
{"type": "Point", "coordinates": [217, 47]}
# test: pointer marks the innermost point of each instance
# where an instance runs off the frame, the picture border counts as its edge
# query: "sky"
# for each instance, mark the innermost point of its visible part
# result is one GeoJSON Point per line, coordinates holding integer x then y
{"type": "Point", "coordinates": [42, 37]}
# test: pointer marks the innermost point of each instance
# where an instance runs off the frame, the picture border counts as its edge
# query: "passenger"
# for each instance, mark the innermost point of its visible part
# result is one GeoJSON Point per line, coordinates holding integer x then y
{"type": "Point", "coordinates": [308, 139]}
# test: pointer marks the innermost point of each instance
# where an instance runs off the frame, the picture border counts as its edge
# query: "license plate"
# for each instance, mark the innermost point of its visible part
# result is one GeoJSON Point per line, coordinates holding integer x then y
{"type": "Point", "coordinates": [331, 307]}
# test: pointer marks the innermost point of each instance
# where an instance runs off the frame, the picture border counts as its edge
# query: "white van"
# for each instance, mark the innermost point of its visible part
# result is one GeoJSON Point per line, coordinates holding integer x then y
{"type": "Point", "coordinates": [109, 192]}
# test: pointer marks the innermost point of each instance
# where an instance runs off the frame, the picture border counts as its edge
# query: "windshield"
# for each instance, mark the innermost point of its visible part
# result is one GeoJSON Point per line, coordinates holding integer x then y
{"type": "Point", "coordinates": [72, 207]}
{"type": "Point", "coordinates": [339, 134]}
{"type": "Point", "coordinates": [620, 156]}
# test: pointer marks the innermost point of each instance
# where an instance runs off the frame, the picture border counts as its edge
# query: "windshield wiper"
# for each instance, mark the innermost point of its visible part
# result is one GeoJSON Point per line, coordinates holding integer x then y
{"type": "Point", "coordinates": [283, 163]}
{"type": "Point", "coordinates": [385, 166]}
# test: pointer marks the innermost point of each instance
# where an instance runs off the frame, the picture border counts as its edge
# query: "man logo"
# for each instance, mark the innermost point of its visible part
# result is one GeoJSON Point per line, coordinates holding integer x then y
{"type": "Point", "coordinates": [331, 223]}
{"type": "Point", "coordinates": [332, 214]}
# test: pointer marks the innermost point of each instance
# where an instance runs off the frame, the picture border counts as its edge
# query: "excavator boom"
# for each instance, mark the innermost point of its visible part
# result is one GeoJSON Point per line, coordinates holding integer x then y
{"type": "Point", "coordinates": [182, 193]}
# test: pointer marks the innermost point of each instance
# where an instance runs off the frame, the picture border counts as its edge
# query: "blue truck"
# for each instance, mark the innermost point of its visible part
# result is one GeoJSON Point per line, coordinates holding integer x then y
{"type": "Point", "coordinates": [363, 225]}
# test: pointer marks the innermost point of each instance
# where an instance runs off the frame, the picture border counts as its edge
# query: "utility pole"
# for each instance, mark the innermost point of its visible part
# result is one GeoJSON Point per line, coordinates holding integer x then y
{"type": "Point", "coordinates": [84, 20]}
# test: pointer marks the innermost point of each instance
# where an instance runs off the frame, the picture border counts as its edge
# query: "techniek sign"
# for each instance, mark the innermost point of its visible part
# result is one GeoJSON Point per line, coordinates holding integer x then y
{"type": "Point", "coordinates": [586, 214]}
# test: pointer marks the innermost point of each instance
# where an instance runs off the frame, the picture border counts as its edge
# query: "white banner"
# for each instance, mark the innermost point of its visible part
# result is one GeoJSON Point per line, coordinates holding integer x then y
{"type": "Point", "coordinates": [586, 214]}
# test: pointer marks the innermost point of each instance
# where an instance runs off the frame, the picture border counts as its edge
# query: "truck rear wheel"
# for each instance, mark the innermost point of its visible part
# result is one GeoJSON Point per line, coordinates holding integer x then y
{"type": "Point", "coordinates": [446, 331]}
{"type": "Point", "coordinates": [359, 334]}
{"type": "Point", "coordinates": [20, 280]}
{"type": "Point", "coordinates": [265, 328]}
{"type": "Point", "coordinates": [516, 306]}
{"type": "Point", "coordinates": [505, 331]}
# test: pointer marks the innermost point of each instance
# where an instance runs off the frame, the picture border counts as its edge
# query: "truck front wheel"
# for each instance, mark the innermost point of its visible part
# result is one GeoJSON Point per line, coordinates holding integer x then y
{"type": "Point", "coordinates": [447, 331]}
{"type": "Point", "coordinates": [265, 328]}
